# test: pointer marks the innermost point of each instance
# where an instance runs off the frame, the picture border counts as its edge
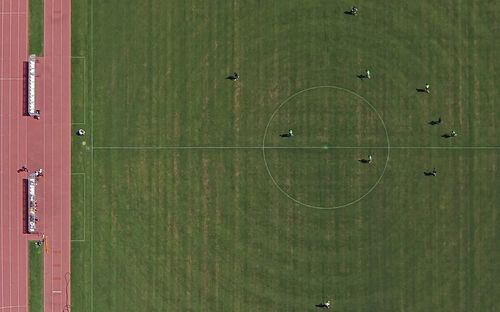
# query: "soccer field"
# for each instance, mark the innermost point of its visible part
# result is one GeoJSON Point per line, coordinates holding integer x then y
{"type": "Point", "coordinates": [186, 198]}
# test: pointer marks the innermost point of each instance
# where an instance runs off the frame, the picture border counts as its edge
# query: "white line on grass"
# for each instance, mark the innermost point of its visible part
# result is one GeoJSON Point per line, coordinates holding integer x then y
{"type": "Point", "coordinates": [290, 147]}
{"type": "Point", "coordinates": [387, 147]}
{"type": "Point", "coordinates": [92, 156]}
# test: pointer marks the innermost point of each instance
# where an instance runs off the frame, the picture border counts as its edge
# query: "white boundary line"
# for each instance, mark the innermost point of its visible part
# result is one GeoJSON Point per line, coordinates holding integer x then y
{"type": "Point", "coordinates": [326, 147]}
{"type": "Point", "coordinates": [92, 156]}
{"type": "Point", "coordinates": [84, 205]}
{"type": "Point", "coordinates": [11, 13]}
{"type": "Point", "coordinates": [84, 86]}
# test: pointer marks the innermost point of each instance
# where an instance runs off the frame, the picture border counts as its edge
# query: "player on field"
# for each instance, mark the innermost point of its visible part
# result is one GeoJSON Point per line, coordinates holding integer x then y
{"type": "Point", "coordinates": [325, 305]}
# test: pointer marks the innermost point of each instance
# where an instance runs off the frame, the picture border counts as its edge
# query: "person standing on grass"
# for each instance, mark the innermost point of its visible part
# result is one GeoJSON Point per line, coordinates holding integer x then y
{"type": "Point", "coordinates": [354, 10]}
{"type": "Point", "coordinates": [370, 158]}
{"type": "Point", "coordinates": [427, 88]}
{"type": "Point", "coordinates": [453, 134]}
{"type": "Point", "coordinates": [368, 74]}
{"type": "Point", "coordinates": [434, 172]}
{"type": "Point", "coordinates": [290, 133]}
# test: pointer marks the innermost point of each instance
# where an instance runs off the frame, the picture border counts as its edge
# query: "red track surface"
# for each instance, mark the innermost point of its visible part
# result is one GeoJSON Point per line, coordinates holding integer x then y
{"type": "Point", "coordinates": [43, 143]}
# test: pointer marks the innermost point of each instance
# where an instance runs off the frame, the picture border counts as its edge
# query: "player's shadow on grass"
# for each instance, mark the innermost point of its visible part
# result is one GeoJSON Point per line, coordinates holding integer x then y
{"type": "Point", "coordinates": [435, 122]}
{"type": "Point", "coordinates": [364, 161]}
{"type": "Point", "coordinates": [446, 136]}
{"type": "Point", "coordinates": [429, 173]}
{"type": "Point", "coordinates": [321, 305]}
{"type": "Point", "coordinates": [348, 13]}
{"type": "Point", "coordinates": [232, 78]}
{"type": "Point", "coordinates": [420, 90]}
{"type": "Point", "coordinates": [361, 77]}
{"type": "Point", "coordinates": [285, 135]}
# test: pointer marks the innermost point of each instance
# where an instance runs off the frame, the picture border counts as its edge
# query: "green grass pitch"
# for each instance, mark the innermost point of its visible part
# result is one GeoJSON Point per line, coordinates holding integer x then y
{"type": "Point", "coordinates": [174, 208]}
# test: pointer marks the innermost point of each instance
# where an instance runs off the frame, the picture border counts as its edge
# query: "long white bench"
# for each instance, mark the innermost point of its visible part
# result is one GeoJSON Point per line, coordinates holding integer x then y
{"type": "Point", "coordinates": [32, 219]}
{"type": "Point", "coordinates": [32, 111]}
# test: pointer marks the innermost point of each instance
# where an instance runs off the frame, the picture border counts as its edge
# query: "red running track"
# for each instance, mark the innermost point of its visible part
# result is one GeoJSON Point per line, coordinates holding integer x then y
{"type": "Point", "coordinates": [43, 143]}
{"type": "Point", "coordinates": [13, 151]}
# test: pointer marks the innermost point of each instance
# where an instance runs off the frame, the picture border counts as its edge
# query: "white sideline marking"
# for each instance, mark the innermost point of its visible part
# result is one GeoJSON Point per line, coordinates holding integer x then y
{"type": "Point", "coordinates": [92, 156]}
{"type": "Point", "coordinates": [291, 147]}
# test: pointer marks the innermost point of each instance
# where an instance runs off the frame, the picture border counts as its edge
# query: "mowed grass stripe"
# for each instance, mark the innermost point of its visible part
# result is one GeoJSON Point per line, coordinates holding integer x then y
{"type": "Point", "coordinates": [78, 186]}
{"type": "Point", "coordinates": [78, 90]}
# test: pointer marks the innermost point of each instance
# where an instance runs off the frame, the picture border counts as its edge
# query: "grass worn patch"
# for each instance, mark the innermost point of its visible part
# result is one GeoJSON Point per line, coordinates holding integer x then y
{"type": "Point", "coordinates": [35, 290]}
{"type": "Point", "coordinates": [36, 27]}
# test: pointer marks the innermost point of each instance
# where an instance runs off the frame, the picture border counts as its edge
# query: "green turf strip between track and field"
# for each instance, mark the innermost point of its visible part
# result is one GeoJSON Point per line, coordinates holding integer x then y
{"type": "Point", "coordinates": [78, 203]}
{"type": "Point", "coordinates": [78, 90]}
{"type": "Point", "coordinates": [35, 290]}
{"type": "Point", "coordinates": [191, 229]}
{"type": "Point", "coordinates": [36, 27]}
{"type": "Point", "coordinates": [81, 272]}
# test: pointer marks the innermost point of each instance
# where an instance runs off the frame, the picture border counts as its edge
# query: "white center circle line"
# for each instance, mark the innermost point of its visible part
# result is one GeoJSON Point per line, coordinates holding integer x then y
{"type": "Point", "coordinates": [388, 147]}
